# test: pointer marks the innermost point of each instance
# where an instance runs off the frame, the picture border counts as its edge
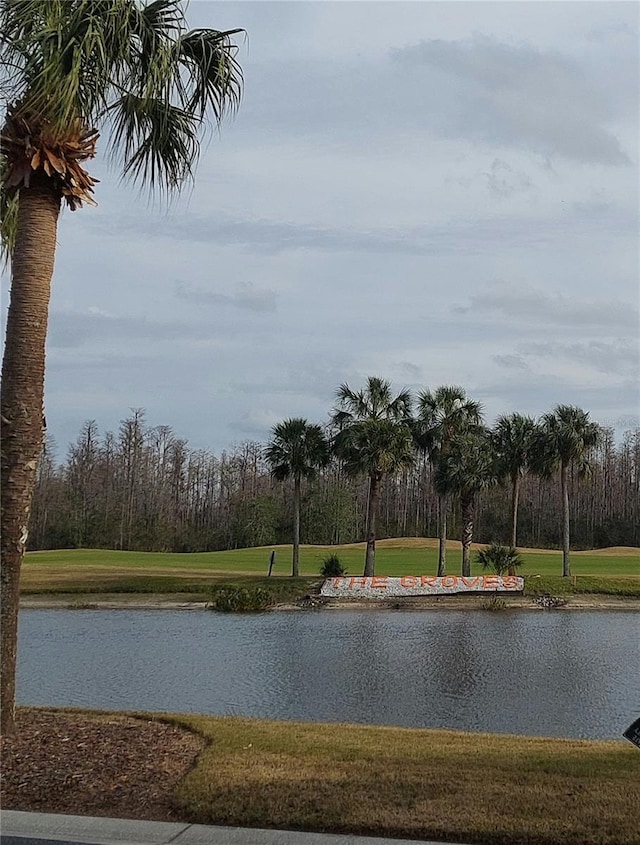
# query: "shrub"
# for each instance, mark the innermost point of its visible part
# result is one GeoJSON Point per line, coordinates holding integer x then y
{"type": "Point", "coordinates": [332, 568]}
{"type": "Point", "coordinates": [494, 603]}
{"type": "Point", "coordinates": [498, 558]}
{"type": "Point", "coordinates": [240, 599]}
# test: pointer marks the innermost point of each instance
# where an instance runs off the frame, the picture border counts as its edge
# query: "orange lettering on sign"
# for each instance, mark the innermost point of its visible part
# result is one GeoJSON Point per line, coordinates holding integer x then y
{"type": "Point", "coordinates": [450, 581]}
{"type": "Point", "coordinates": [428, 580]}
{"type": "Point", "coordinates": [379, 582]}
{"type": "Point", "coordinates": [510, 582]}
{"type": "Point", "coordinates": [491, 582]}
{"type": "Point", "coordinates": [408, 581]}
{"type": "Point", "coordinates": [337, 582]}
{"type": "Point", "coordinates": [470, 582]}
{"type": "Point", "coordinates": [362, 582]}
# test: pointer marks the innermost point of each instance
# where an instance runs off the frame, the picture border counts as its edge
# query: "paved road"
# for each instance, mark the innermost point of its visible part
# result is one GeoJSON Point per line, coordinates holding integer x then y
{"type": "Point", "coordinates": [47, 829]}
{"type": "Point", "coordinates": [21, 840]}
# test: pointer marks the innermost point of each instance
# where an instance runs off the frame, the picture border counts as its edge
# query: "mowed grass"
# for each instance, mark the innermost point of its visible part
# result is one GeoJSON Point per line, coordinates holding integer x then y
{"type": "Point", "coordinates": [99, 570]}
{"type": "Point", "coordinates": [427, 784]}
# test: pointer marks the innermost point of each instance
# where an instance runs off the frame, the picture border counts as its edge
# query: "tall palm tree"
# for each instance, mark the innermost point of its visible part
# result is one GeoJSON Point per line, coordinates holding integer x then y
{"type": "Point", "coordinates": [441, 415]}
{"type": "Point", "coordinates": [564, 440]}
{"type": "Point", "coordinates": [297, 450]}
{"type": "Point", "coordinates": [512, 438]}
{"type": "Point", "coordinates": [67, 68]}
{"type": "Point", "coordinates": [374, 439]}
{"type": "Point", "coordinates": [466, 468]}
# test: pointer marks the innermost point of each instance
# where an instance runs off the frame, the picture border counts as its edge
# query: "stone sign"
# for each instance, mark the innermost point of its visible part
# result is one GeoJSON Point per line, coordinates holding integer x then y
{"type": "Point", "coordinates": [632, 733]}
{"type": "Point", "coordinates": [385, 586]}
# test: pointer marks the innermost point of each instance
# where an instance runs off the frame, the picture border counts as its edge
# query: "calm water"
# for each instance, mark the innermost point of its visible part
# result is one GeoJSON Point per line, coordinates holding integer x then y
{"type": "Point", "coordinates": [547, 673]}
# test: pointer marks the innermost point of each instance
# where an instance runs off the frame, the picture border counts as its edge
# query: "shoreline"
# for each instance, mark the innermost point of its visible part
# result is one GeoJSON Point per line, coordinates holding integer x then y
{"type": "Point", "coordinates": [135, 601]}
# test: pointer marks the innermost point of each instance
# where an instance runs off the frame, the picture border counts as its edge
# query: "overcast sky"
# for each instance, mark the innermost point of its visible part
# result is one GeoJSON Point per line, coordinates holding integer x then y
{"type": "Point", "coordinates": [435, 193]}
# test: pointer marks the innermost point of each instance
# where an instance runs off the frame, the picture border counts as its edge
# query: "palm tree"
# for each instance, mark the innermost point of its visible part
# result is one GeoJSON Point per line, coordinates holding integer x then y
{"type": "Point", "coordinates": [297, 450]}
{"type": "Point", "coordinates": [564, 440]}
{"type": "Point", "coordinates": [441, 415]}
{"type": "Point", "coordinates": [68, 67]}
{"type": "Point", "coordinates": [466, 468]}
{"type": "Point", "coordinates": [512, 439]}
{"type": "Point", "coordinates": [374, 439]}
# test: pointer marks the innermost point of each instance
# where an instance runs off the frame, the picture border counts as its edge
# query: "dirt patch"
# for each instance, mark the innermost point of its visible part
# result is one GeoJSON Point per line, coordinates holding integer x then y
{"type": "Point", "coordinates": [95, 765]}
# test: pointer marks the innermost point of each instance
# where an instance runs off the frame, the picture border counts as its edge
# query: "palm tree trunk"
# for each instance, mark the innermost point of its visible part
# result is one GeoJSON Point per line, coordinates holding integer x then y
{"type": "Point", "coordinates": [515, 496]}
{"type": "Point", "coordinates": [467, 503]}
{"type": "Point", "coordinates": [22, 406]}
{"type": "Point", "coordinates": [295, 569]}
{"type": "Point", "coordinates": [442, 535]}
{"type": "Point", "coordinates": [372, 508]}
{"type": "Point", "coordinates": [564, 483]}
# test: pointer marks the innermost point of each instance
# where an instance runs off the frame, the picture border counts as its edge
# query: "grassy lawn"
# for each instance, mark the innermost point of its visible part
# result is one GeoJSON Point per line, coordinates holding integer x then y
{"type": "Point", "coordinates": [412, 783]}
{"type": "Point", "coordinates": [98, 570]}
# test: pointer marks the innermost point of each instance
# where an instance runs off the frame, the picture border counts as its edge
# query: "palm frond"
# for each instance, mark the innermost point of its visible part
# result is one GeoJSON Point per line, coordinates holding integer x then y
{"type": "Point", "coordinates": [211, 78]}
{"type": "Point", "coordinates": [567, 436]}
{"type": "Point", "coordinates": [375, 401]}
{"type": "Point", "coordinates": [512, 438]}
{"type": "Point", "coordinates": [375, 446]}
{"type": "Point", "coordinates": [137, 66]}
{"type": "Point", "coordinates": [8, 215]}
{"type": "Point", "coordinates": [158, 141]}
{"type": "Point", "coordinates": [297, 449]}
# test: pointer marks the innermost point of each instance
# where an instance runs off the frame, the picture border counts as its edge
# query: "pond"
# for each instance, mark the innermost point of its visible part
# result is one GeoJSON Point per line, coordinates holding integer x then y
{"type": "Point", "coordinates": [550, 673]}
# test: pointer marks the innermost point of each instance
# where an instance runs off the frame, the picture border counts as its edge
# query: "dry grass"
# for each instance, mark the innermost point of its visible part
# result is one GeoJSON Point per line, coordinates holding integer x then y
{"type": "Point", "coordinates": [413, 783]}
{"type": "Point", "coordinates": [614, 551]}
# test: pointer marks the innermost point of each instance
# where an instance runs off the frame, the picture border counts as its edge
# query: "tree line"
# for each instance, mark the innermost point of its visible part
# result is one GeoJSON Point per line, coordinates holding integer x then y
{"type": "Point", "coordinates": [144, 488]}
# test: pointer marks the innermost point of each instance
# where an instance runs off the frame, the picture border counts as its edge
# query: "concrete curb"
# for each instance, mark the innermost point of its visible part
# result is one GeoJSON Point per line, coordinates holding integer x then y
{"type": "Point", "coordinates": [100, 831]}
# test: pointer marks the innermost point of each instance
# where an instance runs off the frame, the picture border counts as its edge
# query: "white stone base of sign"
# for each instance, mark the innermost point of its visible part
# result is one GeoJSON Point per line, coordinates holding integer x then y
{"type": "Point", "coordinates": [385, 586]}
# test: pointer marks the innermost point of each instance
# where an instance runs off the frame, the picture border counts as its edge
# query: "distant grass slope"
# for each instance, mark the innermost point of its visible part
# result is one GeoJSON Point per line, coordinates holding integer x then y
{"type": "Point", "coordinates": [614, 571]}
{"type": "Point", "coordinates": [405, 556]}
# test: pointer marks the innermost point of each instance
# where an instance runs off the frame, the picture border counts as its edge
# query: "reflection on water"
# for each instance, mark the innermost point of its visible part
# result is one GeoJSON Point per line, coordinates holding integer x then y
{"type": "Point", "coordinates": [552, 673]}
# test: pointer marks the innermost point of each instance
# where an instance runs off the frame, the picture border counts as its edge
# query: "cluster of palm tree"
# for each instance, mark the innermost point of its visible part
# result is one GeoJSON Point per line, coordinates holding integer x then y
{"type": "Point", "coordinates": [373, 433]}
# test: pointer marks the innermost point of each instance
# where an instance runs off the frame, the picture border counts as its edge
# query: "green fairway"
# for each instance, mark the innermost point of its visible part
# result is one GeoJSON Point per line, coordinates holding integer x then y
{"type": "Point", "coordinates": [91, 571]}
{"type": "Point", "coordinates": [393, 557]}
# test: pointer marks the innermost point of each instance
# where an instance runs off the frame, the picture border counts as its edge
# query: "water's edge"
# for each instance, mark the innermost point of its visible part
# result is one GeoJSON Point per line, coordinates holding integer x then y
{"type": "Point", "coordinates": [136, 601]}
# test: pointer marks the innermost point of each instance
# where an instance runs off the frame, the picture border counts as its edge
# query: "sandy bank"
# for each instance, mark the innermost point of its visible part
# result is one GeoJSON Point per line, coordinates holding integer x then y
{"type": "Point", "coordinates": [115, 601]}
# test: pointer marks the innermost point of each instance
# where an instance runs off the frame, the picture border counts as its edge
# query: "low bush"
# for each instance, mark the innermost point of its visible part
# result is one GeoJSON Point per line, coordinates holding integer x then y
{"type": "Point", "coordinates": [499, 559]}
{"type": "Point", "coordinates": [332, 568]}
{"type": "Point", "coordinates": [248, 599]}
{"type": "Point", "coordinates": [494, 603]}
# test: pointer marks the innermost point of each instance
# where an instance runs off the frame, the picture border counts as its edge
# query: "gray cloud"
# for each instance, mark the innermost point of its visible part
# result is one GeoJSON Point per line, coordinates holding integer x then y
{"type": "Point", "coordinates": [72, 330]}
{"type": "Point", "coordinates": [619, 357]}
{"type": "Point", "coordinates": [530, 305]}
{"type": "Point", "coordinates": [517, 95]}
{"type": "Point", "coordinates": [408, 370]}
{"type": "Point", "coordinates": [98, 362]}
{"type": "Point", "coordinates": [511, 362]}
{"type": "Point", "coordinates": [479, 89]}
{"type": "Point", "coordinates": [537, 394]}
{"type": "Point", "coordinates": [504, 181]}
{"type": "Point", "coordinates": [246, 297]}
{"type": "Point", "coordinates": [479, 235]}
